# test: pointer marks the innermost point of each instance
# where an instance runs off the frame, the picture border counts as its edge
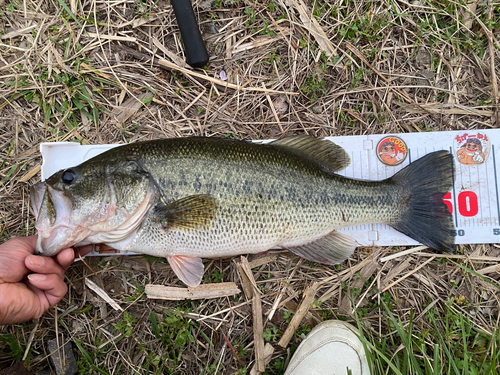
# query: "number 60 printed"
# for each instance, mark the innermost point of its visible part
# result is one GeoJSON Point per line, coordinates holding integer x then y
{"type": "Point", "coordinates": [467, 203]}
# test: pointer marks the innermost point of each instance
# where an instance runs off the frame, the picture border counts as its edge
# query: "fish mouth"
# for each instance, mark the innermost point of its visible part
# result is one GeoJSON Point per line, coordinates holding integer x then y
{"type": "Point", "coordinates": [52, 210]}
{"type": "Point", "coordinates": [36, 196]}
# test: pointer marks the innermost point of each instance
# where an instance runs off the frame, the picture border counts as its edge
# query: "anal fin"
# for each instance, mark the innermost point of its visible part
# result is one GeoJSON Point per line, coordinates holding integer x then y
{"type": "Point", "coordinates": [332, 249]}
{"type": "Point", "coordinates": [188, 269]}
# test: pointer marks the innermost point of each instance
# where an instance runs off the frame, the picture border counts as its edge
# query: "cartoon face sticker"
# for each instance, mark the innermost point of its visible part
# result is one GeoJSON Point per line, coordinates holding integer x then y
{"type": "Point", "coordinates": [392, 150]}
{"type": "Point", "coordinates": [472, 148]}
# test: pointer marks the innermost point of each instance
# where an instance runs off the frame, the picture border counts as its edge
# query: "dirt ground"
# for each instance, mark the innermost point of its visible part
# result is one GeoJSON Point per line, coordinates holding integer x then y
{"type": "Point", "coordinates": [99, 72]}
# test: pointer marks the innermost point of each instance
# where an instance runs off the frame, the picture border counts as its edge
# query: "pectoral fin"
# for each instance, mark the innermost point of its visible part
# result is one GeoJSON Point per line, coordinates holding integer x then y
{"type": "Point", "coordinates": [188, 269]}
{"type": "Point", "coordinates": [331, 249]}
{"type": "Point", "coordinates": [193, 212]}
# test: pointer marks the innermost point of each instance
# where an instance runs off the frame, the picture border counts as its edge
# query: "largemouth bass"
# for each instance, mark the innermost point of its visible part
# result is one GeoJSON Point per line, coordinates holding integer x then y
{"type": "Point", "coordinates": [192, 198]}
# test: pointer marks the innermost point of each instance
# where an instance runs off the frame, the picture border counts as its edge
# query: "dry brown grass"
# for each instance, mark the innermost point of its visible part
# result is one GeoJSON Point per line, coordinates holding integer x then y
{"type": "Point", "coordinates": [394, 67]}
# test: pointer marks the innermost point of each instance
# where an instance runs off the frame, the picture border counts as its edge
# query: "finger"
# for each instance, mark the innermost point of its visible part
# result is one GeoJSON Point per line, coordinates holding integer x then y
{"type": "Point", "coordinates": [20, 303]}
{"type": "Point", "coordinates": [43, 265]}
{"type": "Point", "coordinates": [25, 243]}
{"type": "Point", "coordinates": [65, 258]}
{"type": "Point", "coordinates": [49, 288]}
{"type": "Point", "coordinates": [84, 250]}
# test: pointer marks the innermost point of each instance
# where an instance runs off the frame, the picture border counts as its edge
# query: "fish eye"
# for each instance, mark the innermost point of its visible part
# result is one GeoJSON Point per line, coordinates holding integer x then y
{"type": "Point", "coordinates": [69, 176]}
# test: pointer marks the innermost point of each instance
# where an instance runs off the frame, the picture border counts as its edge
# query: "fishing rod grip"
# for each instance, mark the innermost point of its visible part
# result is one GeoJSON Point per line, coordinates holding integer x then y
{"type": "Point", "coordinates": [194, 47]}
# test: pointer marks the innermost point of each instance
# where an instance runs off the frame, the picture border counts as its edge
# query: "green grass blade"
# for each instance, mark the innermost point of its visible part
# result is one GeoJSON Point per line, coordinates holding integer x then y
{"type": "Point", "coordinates": [65, 7]}
{"type": "Point", "coordinates": [476, 274]}
{"type": "Point", "coordinates": [10, 173]}
{"type": "Point", "coordinates": [85, 353]}
{"type": "Point", "coordinates": [436, 359]}
{"type": "Point", "coordinates": [406, 338]}
{"type": "Point", "coordinates": [154, 323]}
{"type": "Point", "coordinates": [8, 153]}
{"type": "Point", "coordinates": [384, 357]}
{"type": "Point", "coordinates": [465, 367]}
{"type": "Point", "coordinates": [449, 355]}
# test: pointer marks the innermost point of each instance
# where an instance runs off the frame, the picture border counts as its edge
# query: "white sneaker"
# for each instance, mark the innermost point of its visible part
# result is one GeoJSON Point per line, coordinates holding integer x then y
{"type": "Point", "coordinates": [329, 349]}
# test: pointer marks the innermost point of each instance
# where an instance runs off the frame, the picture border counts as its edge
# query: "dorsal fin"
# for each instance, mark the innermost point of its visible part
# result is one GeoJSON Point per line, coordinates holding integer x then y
{"type": "Point", "coordinates": [323, 151]}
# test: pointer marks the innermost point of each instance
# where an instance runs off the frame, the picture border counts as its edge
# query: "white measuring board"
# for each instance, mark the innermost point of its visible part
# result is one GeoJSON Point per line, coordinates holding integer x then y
{"type": "Point", "coordinates": [474, 199]}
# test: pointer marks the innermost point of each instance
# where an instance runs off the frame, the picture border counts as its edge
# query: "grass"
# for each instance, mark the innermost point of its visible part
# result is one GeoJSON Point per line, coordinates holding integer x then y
{"type": "Point", "coordinates": [59, 82]}
{"type": "Point", "coordinates": [442, 336]}
{"type": "Point", "coordinates": [443, 340]}
{"type": "Point", "coordinates": [78, 102]}
{"type": "Point", "coordinates": [14, 344]}
{"type": "Point", "coordinates": [450, 345]}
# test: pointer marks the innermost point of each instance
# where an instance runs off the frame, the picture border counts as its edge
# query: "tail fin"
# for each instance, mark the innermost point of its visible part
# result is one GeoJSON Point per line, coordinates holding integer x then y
{"type": "Point", "coordinates": [424, 216]}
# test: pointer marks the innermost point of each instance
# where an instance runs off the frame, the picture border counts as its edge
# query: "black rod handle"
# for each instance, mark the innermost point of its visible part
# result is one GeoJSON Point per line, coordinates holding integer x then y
{"type": "Point", "coordinates": [194, 47]}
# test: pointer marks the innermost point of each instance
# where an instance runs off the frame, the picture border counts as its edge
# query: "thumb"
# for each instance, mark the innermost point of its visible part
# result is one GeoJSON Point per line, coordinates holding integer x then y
{"type": "Point", "coordinates": [22, 243]}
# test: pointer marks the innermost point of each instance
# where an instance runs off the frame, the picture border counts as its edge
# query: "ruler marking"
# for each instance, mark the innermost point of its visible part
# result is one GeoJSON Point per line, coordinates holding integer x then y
{"type": "Point", "coordinates": [496, 183]}
{"type": "Point", "coordinates": [454, 193]}
{"type": "Point", "coordinates": [488, 189]}
{"type": "Point", "coordinates": [473, 220]}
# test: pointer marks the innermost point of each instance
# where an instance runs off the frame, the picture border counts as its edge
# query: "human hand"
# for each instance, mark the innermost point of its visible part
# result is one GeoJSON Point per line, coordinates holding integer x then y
{"type": "Point", "coordinates": [477, 158]}
{"type": "Point", "coordinates": [31, 284]}
{"type": "Point", "coordinates": [399, 156]}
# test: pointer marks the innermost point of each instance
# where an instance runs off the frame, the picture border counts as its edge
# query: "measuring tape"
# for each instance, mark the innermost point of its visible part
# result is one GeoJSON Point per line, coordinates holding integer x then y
{"type": "Point", "coordinates": [473, 200]}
